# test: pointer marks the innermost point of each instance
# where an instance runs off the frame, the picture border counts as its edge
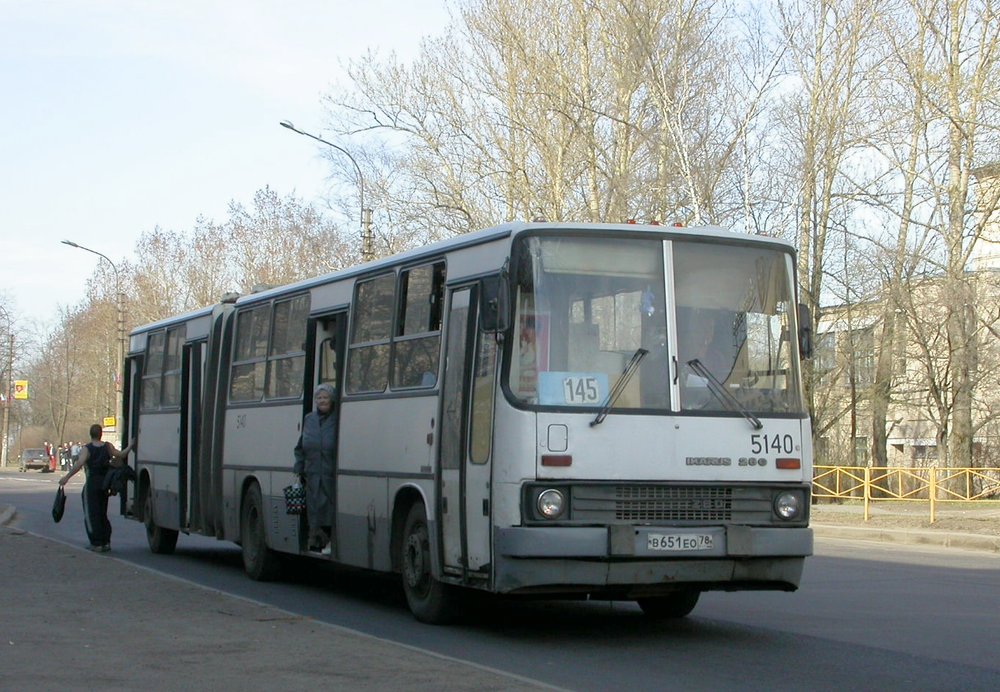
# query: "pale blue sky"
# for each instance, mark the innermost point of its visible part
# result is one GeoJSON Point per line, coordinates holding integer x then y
{"type": "Point", "coordinates": [122, 115]}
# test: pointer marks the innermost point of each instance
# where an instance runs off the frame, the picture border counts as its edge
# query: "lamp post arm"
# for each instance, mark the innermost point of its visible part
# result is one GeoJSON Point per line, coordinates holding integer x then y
{"type": "Point", "coordinates": [114, 267]}
{"type": "Point", "coordinates": [342, 150]}
{"type": "Point", "coordinates": [95, 252]}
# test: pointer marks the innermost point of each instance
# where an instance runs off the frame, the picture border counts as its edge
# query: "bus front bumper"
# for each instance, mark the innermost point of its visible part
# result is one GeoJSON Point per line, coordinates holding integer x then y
{"type": "Point", "coordinates": [645, 560]}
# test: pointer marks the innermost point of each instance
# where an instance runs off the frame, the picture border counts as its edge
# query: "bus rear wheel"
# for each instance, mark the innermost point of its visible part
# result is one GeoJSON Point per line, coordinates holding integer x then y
{"type": "Point", "coordinates": [161, 541]}
{"type": "Point", "coordinates": [676, 605]}
{"type": "Point", "coordinates": [429, 600]}
{"type": "Point", "coordinates": [260, 562]}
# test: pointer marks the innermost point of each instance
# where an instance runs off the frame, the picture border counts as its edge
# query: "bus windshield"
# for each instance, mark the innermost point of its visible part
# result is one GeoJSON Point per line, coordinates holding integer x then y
{"type": "Point", "coordinates": [586, 305]}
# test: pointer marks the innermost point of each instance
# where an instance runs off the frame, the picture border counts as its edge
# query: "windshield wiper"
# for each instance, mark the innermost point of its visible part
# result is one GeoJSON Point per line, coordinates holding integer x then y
{"type": "Point", "coordinates": [723, 395]}
{"type": "Point", "coordinates": [620, 384]}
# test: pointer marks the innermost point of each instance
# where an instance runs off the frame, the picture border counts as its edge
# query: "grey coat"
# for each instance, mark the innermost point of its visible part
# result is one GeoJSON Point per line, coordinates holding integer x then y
{"type": "Point", "coordinates": [314, 458]}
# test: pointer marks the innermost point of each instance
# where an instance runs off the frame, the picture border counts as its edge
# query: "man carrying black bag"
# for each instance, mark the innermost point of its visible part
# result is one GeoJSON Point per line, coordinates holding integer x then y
{"type": "Point", "coordinates": [59, 506]}
{"type": "Point", "coordinates": [98, 457]}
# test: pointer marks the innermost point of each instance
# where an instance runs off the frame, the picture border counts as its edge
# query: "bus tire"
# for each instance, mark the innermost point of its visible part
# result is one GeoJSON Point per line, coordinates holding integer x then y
{"type": "Point", "coordinates": [161, 541]}
{"type": "Point", "coordinates": [260, 562]}
{"type": "Point", "coordinates": [429, 600]}
{"type": "Point", "coordinates": [676, 605]}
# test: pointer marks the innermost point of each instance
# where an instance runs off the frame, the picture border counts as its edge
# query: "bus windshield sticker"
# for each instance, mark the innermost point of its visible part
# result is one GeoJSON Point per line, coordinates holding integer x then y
{"type": "Point", "coordinates": [572, 388]}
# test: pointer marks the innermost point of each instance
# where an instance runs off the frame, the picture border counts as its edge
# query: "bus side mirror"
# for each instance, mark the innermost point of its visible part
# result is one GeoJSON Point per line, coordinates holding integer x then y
{"type": "Point", "coordinates": [805, 331]}
{"type": "Point", "coordinates": [494, 304]}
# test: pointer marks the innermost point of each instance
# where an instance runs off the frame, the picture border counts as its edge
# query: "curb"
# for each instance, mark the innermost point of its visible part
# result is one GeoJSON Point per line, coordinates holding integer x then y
{"type": "Point", "coordinates": [944, 539]}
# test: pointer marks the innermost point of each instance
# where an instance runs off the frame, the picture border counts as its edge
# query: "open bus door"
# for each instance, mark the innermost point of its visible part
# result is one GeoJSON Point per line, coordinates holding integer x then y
{"type": "Point", "coordinates": [328, 337]}
{"type": "Point", "coordinates": [130, 430]}
{"type": "Point", "coordinates": [466, 423]}
{"type": "Point", "coordinates": [192, 396]}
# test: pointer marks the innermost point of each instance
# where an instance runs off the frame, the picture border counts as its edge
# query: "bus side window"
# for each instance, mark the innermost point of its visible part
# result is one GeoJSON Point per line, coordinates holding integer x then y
{"type": "Point", "coordinates": [246, 380]}
{"type": "Point", "coordinates": [286, 358]}
{"type": "Point", "coordinates": [153, 372]}
{"type": "Point", "coordinates": [417, 342]}
{"type": "Point", "coordinates": [172, 366]}
{"type": "Point", "coordinates": [371, 333]}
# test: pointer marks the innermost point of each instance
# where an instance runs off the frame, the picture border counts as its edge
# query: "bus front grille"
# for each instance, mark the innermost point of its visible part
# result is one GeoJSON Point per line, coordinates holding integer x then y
{"type": "Point", "coordinates": [662, 503]}
{"type": "Point", "coordinates": [657, 503]}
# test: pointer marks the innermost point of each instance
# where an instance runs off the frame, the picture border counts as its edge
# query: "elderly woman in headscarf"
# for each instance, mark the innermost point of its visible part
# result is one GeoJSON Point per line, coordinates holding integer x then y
{"type": "Point", "coordinates": [314, 464]}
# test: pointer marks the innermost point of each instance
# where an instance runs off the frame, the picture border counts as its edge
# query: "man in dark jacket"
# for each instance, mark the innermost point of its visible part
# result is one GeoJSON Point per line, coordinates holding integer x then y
{"type": "Point", "coordinates": [98, 458]}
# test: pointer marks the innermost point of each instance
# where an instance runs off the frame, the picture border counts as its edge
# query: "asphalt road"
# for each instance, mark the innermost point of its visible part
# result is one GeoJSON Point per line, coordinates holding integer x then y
{"type": "Point", "coordinates": [868, 616]}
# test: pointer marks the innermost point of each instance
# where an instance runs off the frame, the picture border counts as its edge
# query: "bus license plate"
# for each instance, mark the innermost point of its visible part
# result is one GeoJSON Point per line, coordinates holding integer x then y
{"type": "Point", "coordinates": [679, 541]}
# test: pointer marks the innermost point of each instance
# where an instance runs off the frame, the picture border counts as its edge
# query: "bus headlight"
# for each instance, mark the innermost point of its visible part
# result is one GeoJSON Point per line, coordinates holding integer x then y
{"type": "Point", "coordinates": [550, 503]}
{"type": "Point", "coordinates": [788, 505]}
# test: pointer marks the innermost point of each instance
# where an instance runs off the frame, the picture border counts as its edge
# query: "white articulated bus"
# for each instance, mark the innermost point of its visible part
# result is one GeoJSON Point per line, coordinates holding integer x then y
{"type": "Point", "coordinates": [605, 411]}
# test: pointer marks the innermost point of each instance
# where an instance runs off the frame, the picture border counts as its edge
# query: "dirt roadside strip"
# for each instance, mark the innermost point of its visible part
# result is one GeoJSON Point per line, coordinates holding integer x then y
{"type": "Point", "coordinates": [76, 620]}
{"type": "Point", "coordinates": [929, 538]}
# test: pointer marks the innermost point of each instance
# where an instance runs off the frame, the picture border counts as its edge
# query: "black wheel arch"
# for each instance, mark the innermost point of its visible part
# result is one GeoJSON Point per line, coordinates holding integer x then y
{"type": "Point", "coordinates": [248, 482]}
{"type": "Point", "coordinates": [141, 491]}
{"type": "Point", "coordinates": [405, 499]}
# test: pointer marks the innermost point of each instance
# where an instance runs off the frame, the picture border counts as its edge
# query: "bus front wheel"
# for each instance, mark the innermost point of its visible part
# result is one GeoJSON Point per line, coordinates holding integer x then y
{"type": "Point", "coordinates": [675, 605]}
{"type": "Point", "coordinates": [429, 600]}
{"type": "Point", "coordinates": [260, 562]}
{"type": "Point", "coordinates": [161, 541]}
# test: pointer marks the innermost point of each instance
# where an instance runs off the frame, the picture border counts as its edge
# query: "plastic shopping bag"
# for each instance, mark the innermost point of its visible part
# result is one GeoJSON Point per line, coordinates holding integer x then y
{"type": "Point", "coordinates": [295, 499]}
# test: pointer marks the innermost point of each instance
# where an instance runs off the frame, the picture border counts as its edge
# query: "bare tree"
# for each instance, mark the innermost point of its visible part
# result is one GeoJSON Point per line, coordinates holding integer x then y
{"type": "Point", "coordinates": [54, 375]}
{"type": "Point", "coordinates": [160, 282]}
{"type": "Point", "coordinates": [72, 368]}
{"type": "Point", "coordinates": [964, 41]}
{"type": "Point", "coordinates": [951, 70]}
{"type": "Point", "coordinates": [277, 241]}
{"type": "Point", "coordinates": [826, 43]}
{"type": "Point", "coordinates": [903, 127]}
{"type": "Point", "coordinates": [590, 110]}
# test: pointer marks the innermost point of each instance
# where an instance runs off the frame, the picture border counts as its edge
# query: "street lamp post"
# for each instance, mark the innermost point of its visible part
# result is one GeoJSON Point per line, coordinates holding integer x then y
{"type": "Point", "coordinates": [367, 251]}
{"type": "Point", "coordinates": [4, 453]}
{"type": "Point", "coordinates": [119, 367]}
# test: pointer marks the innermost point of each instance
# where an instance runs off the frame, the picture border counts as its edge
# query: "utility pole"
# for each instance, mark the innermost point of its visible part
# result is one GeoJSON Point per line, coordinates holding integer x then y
{"type": "Point", "coordinates": [367, 248]}
{"type": "Point", "coordinates": [4, 452]}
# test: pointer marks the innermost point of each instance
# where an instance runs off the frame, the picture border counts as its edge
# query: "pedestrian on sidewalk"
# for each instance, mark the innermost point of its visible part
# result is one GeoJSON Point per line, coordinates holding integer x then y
{"type": "Point", "coordinates": [98, 457]}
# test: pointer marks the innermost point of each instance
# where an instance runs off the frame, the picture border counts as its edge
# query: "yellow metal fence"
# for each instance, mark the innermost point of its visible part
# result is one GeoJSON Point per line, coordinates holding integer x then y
{"type": "Point", "coordinates": [930, 485]}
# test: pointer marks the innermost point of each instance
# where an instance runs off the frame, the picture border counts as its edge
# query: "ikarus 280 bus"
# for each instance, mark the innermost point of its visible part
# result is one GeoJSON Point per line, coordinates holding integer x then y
{"type": "Point", "coordinates": [554, 409]}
